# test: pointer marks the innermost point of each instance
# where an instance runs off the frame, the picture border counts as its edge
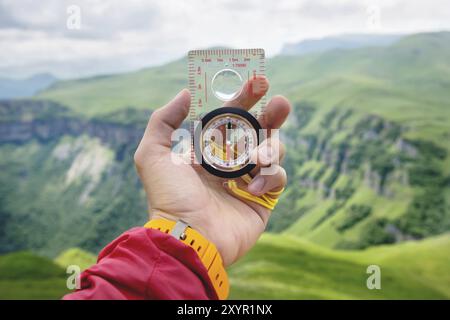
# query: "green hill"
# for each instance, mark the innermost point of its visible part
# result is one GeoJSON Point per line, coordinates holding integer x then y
{"type": "Point", "coordinates": [23, 275]}
{"type": "Point", "coordinates": [285, 267]}
{"type": "Point", "coordinates": [278, 267]}
{"type": "Point", "coordinates": [76, 256]}
{"type": "Point", "coordinates": [144, 89]}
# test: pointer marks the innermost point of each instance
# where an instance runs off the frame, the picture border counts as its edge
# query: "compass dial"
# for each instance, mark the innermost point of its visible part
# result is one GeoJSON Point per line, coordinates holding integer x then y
{"type": "Point", "coordinates": [224, 144]}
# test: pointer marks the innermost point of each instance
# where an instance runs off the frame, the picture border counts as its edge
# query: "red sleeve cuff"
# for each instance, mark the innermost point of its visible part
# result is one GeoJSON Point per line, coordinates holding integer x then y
{"type": "Point", "coordinates": [146, 264]}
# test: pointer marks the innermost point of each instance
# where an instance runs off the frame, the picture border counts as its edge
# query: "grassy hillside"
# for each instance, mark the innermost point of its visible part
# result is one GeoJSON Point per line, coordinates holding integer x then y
{"type": "Point", "coordinates": [24, 275]}
{"type": "Point", "coordinates": [79, 192]}
{"type": "Point", "coordinates": [285, 267]}
{"type": "Point", "coordinates": [76, 256]}
{"type": "Point", "coordinates": [368, 153]}
{"type": "Point", "coordinates": [145, 89]}
{"type": "Point", "coordinates": [407, 82]}
{"type": "Point", "coordinates": [278, 267]}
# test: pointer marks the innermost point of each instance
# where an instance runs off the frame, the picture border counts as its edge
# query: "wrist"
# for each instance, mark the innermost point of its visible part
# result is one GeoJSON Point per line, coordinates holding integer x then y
{"type": "Point", "coordinates": [202, 226]}
{"type": "Point", "coordinates": [205, 250]}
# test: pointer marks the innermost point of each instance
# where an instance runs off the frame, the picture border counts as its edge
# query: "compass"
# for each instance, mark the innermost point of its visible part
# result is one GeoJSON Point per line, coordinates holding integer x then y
{"type": "Point", "coordinates": [225, 140]}
{"type": "Point", "coordinates": [224, 137]}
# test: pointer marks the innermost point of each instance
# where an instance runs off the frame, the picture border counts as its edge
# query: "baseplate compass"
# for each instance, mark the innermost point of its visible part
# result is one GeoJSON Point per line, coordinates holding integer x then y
{"type": "Point", "coordinates": [224, 136]}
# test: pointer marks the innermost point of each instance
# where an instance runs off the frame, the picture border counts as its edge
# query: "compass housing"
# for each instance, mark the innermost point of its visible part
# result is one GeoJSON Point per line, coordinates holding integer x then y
{"type": "Point", "coordinates": [241, 120]}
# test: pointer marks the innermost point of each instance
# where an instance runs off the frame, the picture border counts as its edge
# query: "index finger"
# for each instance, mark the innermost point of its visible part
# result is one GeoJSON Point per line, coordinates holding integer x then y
{"type": "Point", "coordinates": [276, 113]}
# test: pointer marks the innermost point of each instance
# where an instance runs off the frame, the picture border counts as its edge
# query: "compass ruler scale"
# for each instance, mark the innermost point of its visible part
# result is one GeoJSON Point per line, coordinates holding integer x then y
{"type": "Point", "coordinates": [223, 137]}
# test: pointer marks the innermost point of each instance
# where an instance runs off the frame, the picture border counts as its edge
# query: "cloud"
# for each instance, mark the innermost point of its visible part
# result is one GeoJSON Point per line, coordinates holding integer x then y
{"type": "Point", "coordinates": [119, 35]}
{"type": "Point", "coordinates": [321, 9]}
{"type": "Point", "coordinates": [6, 19]}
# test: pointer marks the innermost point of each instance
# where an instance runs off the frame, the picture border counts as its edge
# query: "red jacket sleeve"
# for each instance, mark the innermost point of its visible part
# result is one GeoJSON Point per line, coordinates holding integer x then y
{"type": "Point", "coordinates": [145, 264]}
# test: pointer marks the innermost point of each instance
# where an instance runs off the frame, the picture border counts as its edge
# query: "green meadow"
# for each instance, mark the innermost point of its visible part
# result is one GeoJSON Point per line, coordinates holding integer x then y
{"type": "Point", "coordinates": [278, 267]}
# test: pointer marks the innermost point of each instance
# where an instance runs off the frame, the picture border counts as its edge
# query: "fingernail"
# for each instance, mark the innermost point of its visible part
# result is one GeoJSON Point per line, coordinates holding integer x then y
{"type": "Point", "coordinates": [257, 185]}
{"type": "Point", "coordinates": [182, 98]}
{"type": "Point", "coordinates": [179, 94]}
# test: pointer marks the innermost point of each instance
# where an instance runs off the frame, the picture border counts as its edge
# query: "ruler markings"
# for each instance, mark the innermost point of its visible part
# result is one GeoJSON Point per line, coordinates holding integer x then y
{"type": "Point", "coordinates": [203, 64]}
{"type": "Point", "coordinates": [206, 90]}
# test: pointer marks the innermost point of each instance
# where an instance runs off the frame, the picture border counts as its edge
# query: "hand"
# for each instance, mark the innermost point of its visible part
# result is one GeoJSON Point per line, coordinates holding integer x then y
{"type": "Point", "coordinates": [188, 192]}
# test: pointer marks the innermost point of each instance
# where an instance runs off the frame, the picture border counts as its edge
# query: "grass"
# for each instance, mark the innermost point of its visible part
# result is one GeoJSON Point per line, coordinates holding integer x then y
{"type": "Point", "coordinates": [45, 289]}
{"type": "Point", "coordinates": [24, 275]}
{"type": "Point", "coordinates": [326, 234]}
{"type": "Point", "coordinates": [76, 256]}
{"type": "Point", "coordinates": [144, 89]}
{"type": "Point", "coordinates": [278, 267]}
{"type": "Point", "coordinates": [285, 267]}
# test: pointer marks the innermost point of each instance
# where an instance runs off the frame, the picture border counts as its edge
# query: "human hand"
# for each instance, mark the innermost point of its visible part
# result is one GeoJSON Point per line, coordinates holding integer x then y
{"type": "Point", "coordinates": [188, 192]}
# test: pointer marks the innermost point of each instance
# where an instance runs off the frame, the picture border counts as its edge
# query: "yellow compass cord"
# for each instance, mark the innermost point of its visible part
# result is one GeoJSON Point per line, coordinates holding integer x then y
{"type": "Point", "coordinates": [268, 200]}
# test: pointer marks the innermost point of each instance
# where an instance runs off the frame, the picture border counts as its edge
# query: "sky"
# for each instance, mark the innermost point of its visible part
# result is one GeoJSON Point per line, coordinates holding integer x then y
{"type": "Point", "coordinates": [82, 38]}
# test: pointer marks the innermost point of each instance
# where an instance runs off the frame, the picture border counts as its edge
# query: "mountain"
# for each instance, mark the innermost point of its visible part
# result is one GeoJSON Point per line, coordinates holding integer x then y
{"type": "Point", "coordinates": [368, 154]}
{"type": "Point", "coordinates": [348, 41]}
{"type": "Point", "coordinates": [22, 88]}
{"type": "Point", "coordinates": [371, 132]}
{"type": "Point", "coordinates": [98, 96]}
{"type": "Point", "coordinates": [77, 175]}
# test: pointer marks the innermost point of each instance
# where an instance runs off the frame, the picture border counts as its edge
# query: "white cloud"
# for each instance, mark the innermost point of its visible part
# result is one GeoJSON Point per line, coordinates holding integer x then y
{"type": "Point", "coordinates": [119, 35]}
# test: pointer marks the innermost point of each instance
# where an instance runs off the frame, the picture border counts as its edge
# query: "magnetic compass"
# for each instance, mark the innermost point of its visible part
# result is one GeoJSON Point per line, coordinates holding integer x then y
{"type": "Point", "coordinates": [225, 140]}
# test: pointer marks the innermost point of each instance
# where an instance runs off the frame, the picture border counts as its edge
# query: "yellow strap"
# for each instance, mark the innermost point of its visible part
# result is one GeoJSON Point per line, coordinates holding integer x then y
{"type": "Point", "coordinates": [268, 200]}
{"type": "Point", "coordinates": [206, 250]}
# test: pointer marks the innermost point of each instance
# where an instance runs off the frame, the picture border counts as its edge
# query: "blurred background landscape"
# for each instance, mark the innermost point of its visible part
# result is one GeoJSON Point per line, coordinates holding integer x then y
{"type": "Point", "coordinates": [368, 154]}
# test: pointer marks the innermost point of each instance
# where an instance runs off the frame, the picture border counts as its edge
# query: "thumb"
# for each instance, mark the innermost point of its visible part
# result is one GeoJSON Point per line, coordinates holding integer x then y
{"type": "Point", "coordinates": [165, 120]}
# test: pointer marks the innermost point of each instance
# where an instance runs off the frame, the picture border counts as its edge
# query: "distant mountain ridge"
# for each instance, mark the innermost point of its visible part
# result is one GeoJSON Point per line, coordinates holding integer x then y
{"type": "Point", "coordinates": [350, 41]}
{"type": "Point", "coordinates": [23, 88]}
